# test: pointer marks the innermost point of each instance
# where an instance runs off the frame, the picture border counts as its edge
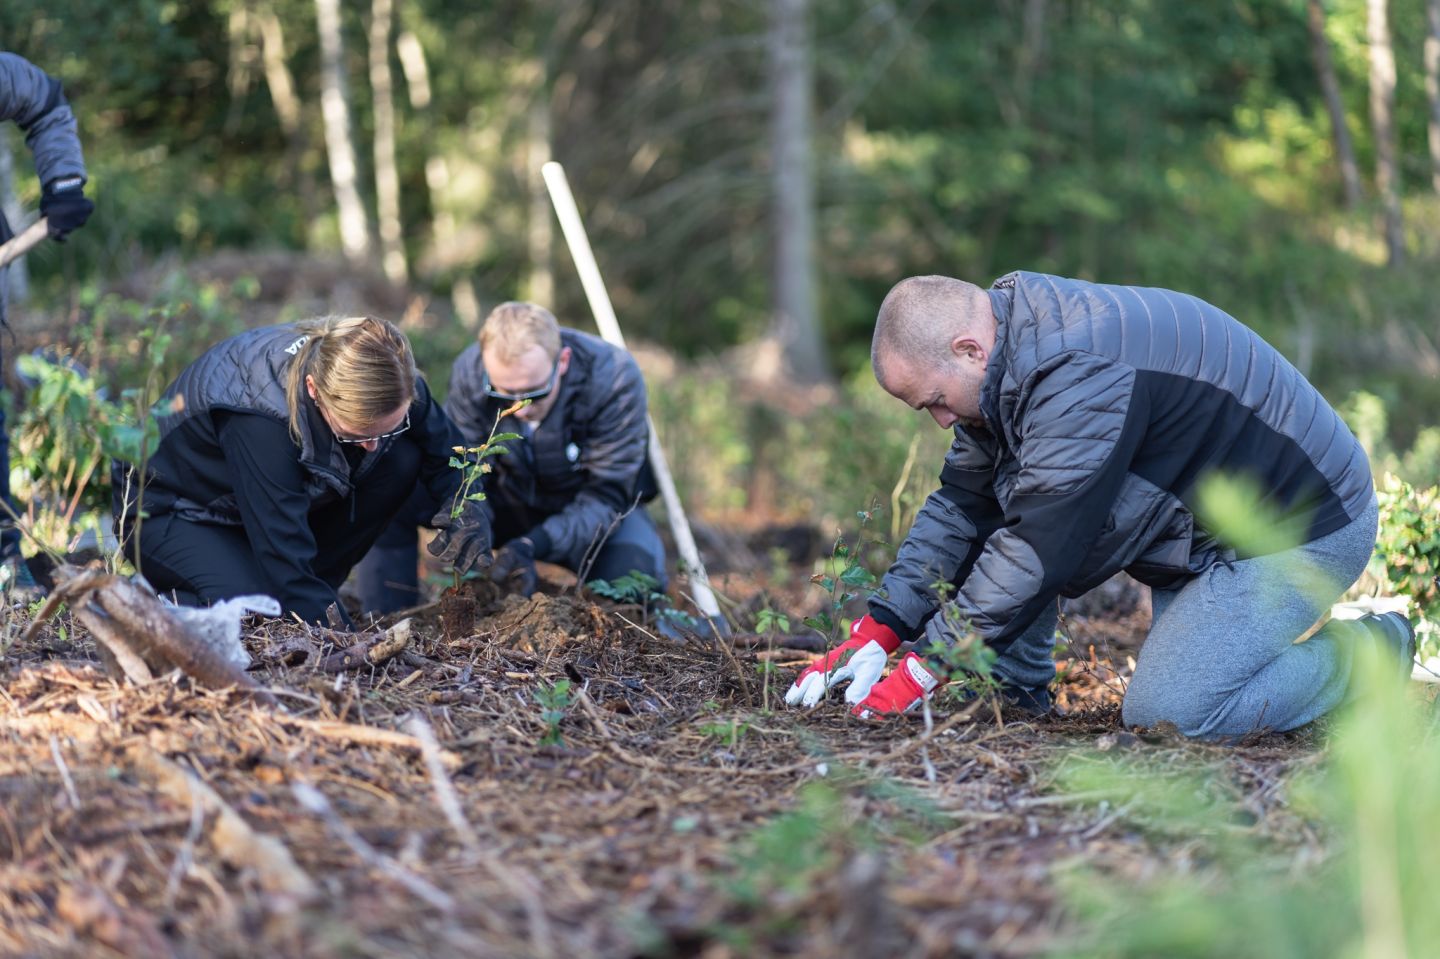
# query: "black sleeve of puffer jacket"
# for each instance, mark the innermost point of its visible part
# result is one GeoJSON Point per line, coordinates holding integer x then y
{"type": "Point", "coordinates": [1082, 421]}
{"type": "Point", "coordinates": [270, 491]}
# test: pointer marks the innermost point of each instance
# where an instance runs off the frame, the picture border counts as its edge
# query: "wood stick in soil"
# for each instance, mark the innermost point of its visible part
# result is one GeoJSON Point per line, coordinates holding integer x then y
{"type": "Point", "coordinates": [370, 652]}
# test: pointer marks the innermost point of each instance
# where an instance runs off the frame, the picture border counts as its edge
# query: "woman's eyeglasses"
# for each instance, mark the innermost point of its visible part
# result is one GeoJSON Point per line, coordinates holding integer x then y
{"type": "Point", "coordinates": [531, 395]}
{"type": "Point", "coordinates": [361, 440]}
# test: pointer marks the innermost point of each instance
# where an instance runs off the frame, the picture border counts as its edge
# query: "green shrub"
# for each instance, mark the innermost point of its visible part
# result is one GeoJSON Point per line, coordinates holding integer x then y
{"type": "Point", "coordinates": [1407, 551]}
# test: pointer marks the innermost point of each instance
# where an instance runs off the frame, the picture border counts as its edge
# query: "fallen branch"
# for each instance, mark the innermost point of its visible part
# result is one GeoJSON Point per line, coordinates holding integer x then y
{"type": "Point", "coordinates": [314, 801]}
{"type": "Point", "coordinates": [445, 795]}
{"type": "Point", "coordinates": [239, 846]}
{"type": "Point", "coordinates": [140, 634]}
{"type": "Point", "coordinates": [363, 735]}
{"type": "Point", "coordinates": [371, 652]}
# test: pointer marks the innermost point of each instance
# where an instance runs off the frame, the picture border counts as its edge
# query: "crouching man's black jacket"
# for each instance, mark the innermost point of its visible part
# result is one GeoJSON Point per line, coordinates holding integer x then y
{"type": "Point", "coordinates": [585, 464]}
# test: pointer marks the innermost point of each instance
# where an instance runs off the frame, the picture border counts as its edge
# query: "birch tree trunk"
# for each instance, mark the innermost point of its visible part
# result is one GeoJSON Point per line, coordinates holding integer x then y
{"type": "Point", "coordinates": [540, 233]}
{"type": "Point", "coordinates": [287, 106]}
{"type": "Point", "coordinates": [339, 142]}
{"type": "Point", "coordinates": [795, 324]}
{"type": "Point", "coordinates": [1334, 106]}
{"type": "Point", "coordinates": [1382, 119]}
{"type": "Point", "coordinates": [387, 179]}
{"type": "Point", "coordinates": [437, 170]}
{"type": "Point", "coordinates": [1432, 86]}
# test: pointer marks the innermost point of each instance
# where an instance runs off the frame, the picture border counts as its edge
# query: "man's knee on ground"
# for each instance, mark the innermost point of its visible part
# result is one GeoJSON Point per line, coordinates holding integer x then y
{"type": "Point", "coordinates": [1195, 718]}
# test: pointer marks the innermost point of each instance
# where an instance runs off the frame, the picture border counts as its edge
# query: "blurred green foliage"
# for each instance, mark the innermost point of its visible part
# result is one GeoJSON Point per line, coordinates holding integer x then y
{"type": "Point", "coordinates": [1133, 142]}
{"type": "Point", "coordinates": [1233, 888]}
{"type": "Point", "coordinates": [1408, 552]}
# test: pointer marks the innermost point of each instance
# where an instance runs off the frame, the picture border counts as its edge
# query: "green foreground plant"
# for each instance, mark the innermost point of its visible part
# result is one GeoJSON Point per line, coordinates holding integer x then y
{"type": "Point", "coordinates": [843, 578]}
{"type": "Point", "coordinates": [1371, 893]}
{"type": "Point", "coordinates": [555, 701]}
{"type": "Point", "coordinates": [1407, 552]}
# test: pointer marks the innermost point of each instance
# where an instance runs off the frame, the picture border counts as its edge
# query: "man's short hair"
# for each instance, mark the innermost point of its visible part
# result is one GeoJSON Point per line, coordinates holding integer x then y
{"type": "Point", "coordinates": [921, 315]}
{"type": "Point", "coordinates": [513, 328]}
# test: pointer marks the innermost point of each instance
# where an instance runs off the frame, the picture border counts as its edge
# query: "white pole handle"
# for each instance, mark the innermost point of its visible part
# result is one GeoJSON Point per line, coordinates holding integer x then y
{"type": "Point", "coordinates": [18, 246]}
{"type": "Point", "coordinates": [579, 242]}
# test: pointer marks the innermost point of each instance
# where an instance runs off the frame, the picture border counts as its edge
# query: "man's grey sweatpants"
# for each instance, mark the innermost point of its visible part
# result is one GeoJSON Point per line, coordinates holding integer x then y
{"type": "Point", "coordinates": [1220, 659]}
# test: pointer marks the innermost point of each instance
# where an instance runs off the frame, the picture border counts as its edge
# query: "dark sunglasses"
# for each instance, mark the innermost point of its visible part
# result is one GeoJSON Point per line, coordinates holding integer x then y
{"type": "Point", "coordinates": [532, 395]}
{"type": "Point", "coordinates": [358, 440]}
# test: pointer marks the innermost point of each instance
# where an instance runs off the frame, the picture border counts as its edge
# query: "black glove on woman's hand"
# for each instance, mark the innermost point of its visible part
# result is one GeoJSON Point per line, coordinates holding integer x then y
{"type": "Point", "coordinates": [463, 541]}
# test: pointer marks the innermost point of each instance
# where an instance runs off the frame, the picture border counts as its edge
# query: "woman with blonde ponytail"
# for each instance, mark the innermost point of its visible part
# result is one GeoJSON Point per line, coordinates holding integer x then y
{"type": "Point", "coordinates": [284, 453]}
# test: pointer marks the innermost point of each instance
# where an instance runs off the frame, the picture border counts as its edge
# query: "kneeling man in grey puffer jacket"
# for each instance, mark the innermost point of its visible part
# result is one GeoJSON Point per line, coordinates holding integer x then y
{"type": "Point", "coordinates": [1087, 420]}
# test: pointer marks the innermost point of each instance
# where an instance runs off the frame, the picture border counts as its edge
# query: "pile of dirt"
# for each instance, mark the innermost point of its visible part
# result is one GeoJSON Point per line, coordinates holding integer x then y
{"type": "Point", "coordinates": [558, 781]}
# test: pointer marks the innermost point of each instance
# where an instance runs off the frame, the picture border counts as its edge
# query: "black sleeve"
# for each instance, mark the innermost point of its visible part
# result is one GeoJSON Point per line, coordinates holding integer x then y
{"type": "Point", "coordinates": [270, 491]}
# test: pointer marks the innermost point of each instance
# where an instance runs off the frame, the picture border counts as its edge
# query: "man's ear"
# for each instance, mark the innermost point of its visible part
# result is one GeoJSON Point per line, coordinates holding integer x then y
{"type": "Point", "coordinates": [966, 347]}
{"type": "Point", "coordinates": [564, 361]}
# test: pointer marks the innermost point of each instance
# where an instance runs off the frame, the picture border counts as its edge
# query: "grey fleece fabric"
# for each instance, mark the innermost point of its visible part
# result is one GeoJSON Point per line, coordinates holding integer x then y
{"type": "Point", "coordinates": [34, 100]}
{"type": "Point", "coordinates": [1221, 659]}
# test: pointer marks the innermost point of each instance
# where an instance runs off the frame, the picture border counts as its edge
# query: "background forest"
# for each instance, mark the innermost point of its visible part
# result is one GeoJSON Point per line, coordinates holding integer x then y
{"type": "Point", "coordinates": [762, 172]}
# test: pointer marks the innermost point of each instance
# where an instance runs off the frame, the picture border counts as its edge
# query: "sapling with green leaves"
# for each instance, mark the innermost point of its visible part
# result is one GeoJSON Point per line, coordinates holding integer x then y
{"type": "Point", "coordinates": [859, 660]}
{"type": "Point", "coordinates": [640, 589]}
{"type": "Point", "coordinates": [472, 463]}
{"type": "Point", "coordinates": [845, 578]}
{"type": "Point", "coordinates": [555, 701]}
{"type": "Point", "coordinates": [768, 622]}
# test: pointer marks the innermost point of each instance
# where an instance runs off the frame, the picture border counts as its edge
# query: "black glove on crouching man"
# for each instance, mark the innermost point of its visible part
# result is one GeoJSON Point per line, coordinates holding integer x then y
{"type": "Point", "coordinates": [514, 567]}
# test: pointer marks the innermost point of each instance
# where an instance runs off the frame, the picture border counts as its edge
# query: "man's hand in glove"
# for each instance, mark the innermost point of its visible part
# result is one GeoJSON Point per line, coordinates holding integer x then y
{"type": "Point", "coordinates": [514, 567]}
{"type": "Point", "coordinates": [463, 542]}
{"type": "Point", "coordinates": [909, 683]}
{"type": "Point", "coordinates": [859, 661]}
{"type": "Point", "coordinates": [64, 206]}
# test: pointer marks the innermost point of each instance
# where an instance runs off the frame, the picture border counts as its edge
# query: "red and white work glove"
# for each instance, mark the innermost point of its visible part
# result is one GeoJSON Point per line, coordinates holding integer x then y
{"type": "Point", "coordinates": [909, 683]}
{"type": "Point", "coordinates": [859, 661]}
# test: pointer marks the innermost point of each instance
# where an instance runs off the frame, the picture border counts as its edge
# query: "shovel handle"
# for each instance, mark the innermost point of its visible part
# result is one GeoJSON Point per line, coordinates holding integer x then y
{"type": "Point", "coordinates": [18, 246]}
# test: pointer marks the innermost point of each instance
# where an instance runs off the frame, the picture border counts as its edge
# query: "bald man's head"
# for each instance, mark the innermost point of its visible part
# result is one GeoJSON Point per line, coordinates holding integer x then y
{"type": "Point", "coordinates": [932, 342]}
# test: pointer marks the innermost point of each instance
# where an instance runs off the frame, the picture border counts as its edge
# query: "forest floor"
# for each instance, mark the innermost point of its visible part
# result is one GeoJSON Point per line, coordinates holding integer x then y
{"type": "Point", "coordinates": [459, 801]}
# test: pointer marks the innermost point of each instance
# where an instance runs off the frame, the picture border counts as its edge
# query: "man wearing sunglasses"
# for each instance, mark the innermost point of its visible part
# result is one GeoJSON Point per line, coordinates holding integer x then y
{"type": "Point", "coordinates": [569, 491]}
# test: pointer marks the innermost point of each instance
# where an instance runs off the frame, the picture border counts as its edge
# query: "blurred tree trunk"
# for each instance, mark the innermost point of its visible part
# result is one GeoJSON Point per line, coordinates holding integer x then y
{"type": "Point", "coordinates": [1334, 106]}
{"type": "Point", "coordinates": [540, 233]}
{"type": "Point", "coordinates": [1432, 86]}
{"type": "Point", "coordinates": [339, 142]}
{"type": "Point", "coordinates": [387, 180]}
{"type": "Point", "coordinates": [287, 106]}
{"type": "Point", "coordinates": [1382, 118]}
{"type": "Point", "coordinates": [795, 324]}
{"type": "Point", "coordinates": [437, 170]}
{"type": "Point", "coordinates": [15, 277]}
{"type": "Point", "coordinates": [241, 68]}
